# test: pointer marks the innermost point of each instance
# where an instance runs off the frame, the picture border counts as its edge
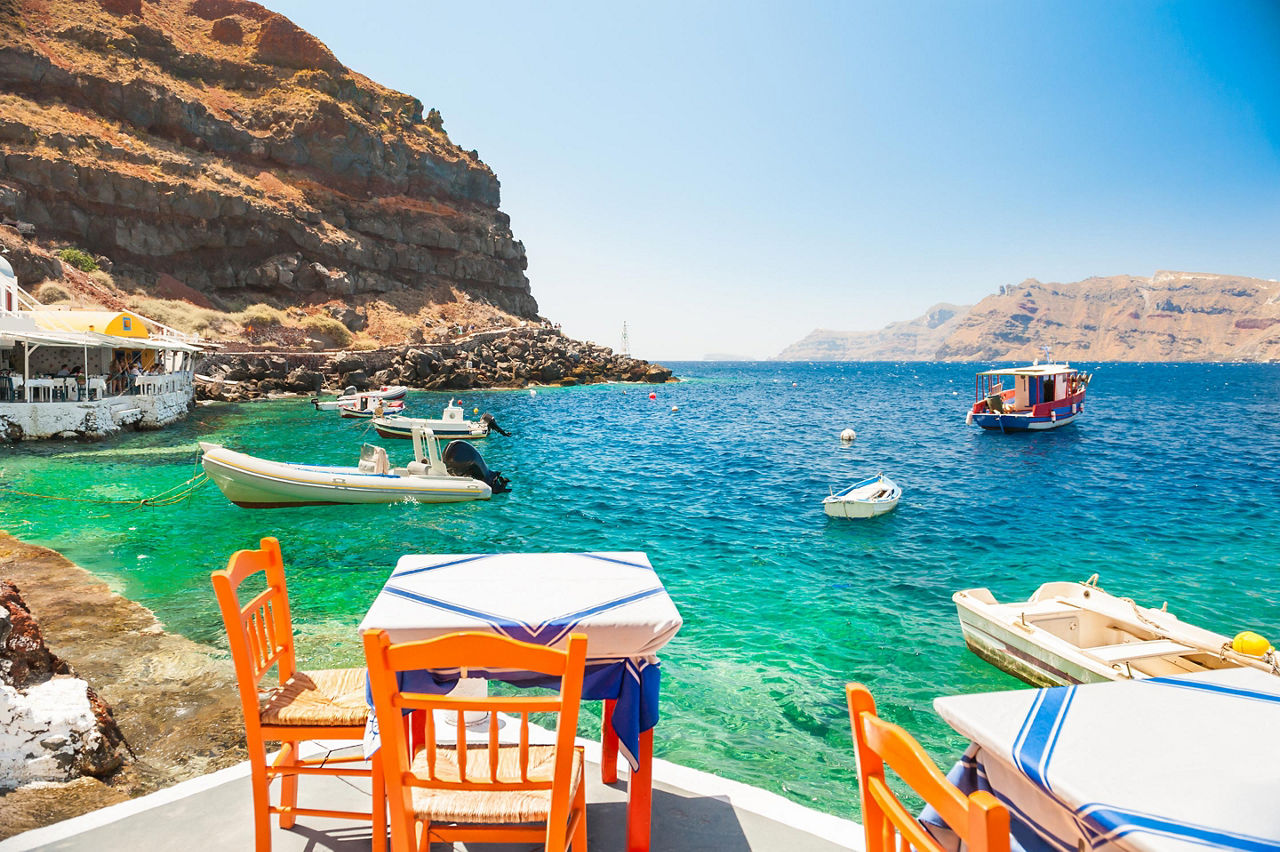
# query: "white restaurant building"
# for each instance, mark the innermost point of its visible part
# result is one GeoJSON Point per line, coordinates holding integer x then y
{"type": "Point", "coordinates": [67, 373]}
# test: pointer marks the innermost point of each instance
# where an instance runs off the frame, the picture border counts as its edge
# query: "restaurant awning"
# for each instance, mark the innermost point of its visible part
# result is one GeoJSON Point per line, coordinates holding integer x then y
{"type": "Point", "coordinates": [93, 340]}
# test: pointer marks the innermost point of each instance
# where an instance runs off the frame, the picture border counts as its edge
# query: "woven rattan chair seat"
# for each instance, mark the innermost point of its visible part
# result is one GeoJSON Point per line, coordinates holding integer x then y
{"type": "Point", "coordinates": [324, 697]}
{"type": "Point", "coordinates": [489, 806]}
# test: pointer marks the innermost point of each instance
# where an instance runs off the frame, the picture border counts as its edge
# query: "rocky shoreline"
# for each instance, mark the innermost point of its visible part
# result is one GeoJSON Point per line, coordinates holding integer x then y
{"type": "Point", "coordinates": [501, 358]}
{"type": "Point", "coordinates": [174, 700]}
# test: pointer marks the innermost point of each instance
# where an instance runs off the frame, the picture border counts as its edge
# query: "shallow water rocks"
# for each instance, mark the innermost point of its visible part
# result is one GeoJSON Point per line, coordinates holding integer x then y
{"type": "Point", "coordinates": [53, 726]}
{"type": "Point", "coordinates": [504, 358]}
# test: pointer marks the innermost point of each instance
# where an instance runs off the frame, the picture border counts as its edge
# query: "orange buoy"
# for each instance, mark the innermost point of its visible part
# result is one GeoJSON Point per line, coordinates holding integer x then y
{"type": "Point", "coordinates": [652, 395]}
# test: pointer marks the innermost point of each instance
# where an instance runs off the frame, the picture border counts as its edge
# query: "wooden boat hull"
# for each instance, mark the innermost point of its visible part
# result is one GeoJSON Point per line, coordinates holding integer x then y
{"type": "Point", "coordinates": [877, 495]}
{"type": "Point", "coordinates": [1023, 422]}
{"type": "Point", "coordinates": [852, 509]}
{"type": "Point", "coordinates": [255, 483]}
{"type": "Point", "coordinates": [1069, 633]}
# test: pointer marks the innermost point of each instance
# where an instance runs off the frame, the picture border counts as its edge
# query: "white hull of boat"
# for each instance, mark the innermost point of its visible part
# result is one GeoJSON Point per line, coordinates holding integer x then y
{"type": "Point", "coordinates": [875, 496]}
{"type": "Point", "coordinates": [402, 427]}
{"type": "Point", "coordinates": [259, 483]}
{"type": "Point", "coordinates": [366, 415]}
{"type": "Point", "coordinates": [1069, 633]}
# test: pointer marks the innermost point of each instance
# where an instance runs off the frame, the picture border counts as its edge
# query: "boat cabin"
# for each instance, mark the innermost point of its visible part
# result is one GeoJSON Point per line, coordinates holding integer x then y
{"type": "Point", "coordinates": [1023, 388]}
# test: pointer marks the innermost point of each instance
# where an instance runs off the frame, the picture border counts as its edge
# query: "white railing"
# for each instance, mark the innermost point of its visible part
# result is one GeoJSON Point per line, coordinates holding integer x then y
{"type": "Point", "coordinates": [165, 383]}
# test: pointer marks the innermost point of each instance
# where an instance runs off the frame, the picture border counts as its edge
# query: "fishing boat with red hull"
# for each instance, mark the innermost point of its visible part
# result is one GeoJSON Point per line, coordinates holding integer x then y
{"type": "Point", "coordinates": [1034, 398]}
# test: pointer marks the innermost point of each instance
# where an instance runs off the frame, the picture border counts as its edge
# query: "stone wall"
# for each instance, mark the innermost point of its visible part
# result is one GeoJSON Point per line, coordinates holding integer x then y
{"type": "Point", "coordinates": [22, 421]}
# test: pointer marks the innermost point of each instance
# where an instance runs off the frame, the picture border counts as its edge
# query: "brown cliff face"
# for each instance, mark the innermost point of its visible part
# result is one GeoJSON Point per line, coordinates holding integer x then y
{"type": "Point", "coordinates": [1171, 316]}
{"type": "Point", "coordinates": [216, 142]}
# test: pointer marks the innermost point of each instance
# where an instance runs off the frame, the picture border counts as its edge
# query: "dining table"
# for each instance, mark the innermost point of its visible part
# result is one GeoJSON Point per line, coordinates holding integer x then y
{"type": "Point", "coordinates": [615, 598]}
{"type": "Point", "coordinates": [41, 388]}
{"type": "Point", "coordinates": [1183, 762]}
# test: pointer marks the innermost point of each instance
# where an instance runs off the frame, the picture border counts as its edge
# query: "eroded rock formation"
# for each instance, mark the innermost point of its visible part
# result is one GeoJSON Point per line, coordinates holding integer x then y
{"type": "Point", "coordinates": [209, 139]}
{"type": "Point", "coordinates": [53, 726]}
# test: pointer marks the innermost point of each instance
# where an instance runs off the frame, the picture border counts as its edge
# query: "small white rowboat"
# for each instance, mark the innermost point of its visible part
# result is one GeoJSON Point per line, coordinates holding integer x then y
{"type": "Point", "coordinates": [253, 483]}
{"type": "Point", "coordinates": [1069, 633]}
{"type": "Point", "coordinates": [866, 499]}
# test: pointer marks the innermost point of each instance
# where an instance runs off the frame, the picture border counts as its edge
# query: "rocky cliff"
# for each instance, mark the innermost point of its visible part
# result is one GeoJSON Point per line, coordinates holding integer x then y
{"type": "Point", "coordinates": [214, 150]}
{"type": "Point", "coordinates": [911, 340]}
{"type": "Point", "coordinates": [1171, 316]}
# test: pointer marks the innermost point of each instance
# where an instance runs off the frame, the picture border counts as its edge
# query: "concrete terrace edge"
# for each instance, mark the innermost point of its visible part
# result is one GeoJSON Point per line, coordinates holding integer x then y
{"type": "Point", "coordinates": [834, 829]}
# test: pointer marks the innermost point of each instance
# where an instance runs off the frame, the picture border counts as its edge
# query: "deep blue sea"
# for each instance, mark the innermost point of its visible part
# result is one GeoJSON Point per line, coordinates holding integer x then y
{"type": "Point", "coordinates": [1167, 488]}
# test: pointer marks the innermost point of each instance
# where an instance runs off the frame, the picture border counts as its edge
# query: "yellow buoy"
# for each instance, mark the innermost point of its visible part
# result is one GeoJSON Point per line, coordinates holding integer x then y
{"type": "Point", "coordinates": [475, 411]}
{"type": "Point", "coordinates": [1248, 642]}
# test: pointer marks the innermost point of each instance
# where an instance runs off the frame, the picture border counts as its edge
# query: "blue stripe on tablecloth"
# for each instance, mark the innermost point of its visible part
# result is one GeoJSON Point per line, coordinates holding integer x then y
{"type": "Point", "coordinates": [969, 774]}
{"type": "Point", "coordinates": [1111, 823]}
{"type": "Point", "coordinates": [1233, 691]}
{"type": "Point", "coordinates": [441, 565]}
{"type": "Point", "coordinates": [1033, 749]}
{"type": "Point", "coordinates": [514, 629]}
{"type": "Point", "coordinates": [617, 561]}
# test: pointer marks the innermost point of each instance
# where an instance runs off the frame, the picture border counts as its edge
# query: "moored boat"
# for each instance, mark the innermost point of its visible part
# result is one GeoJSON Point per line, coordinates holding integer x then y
{"type": "Point", "coordinates": [451, 424]}
{"type": "Point", "coordinates": [1041, 396]}
{"type": "Point", "coordinates": [872, 496]}
{"type": "Point", "coordinates": [1069, 633]}
{"type": "Point", "coordinates": [351, 395]}
{"type": "Point", "coordinates": [367, 406]}
{"type": "Point", "coordinates": [457, 474]}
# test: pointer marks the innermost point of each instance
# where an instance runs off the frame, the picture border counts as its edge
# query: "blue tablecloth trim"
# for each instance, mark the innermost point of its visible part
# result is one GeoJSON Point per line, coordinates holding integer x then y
{"type": "Point", "coordinates": [634, 684]}
{"type": "Point", "coordinates": [1026, 835]}
{"type": "Point", "coordinates": [547, 633]}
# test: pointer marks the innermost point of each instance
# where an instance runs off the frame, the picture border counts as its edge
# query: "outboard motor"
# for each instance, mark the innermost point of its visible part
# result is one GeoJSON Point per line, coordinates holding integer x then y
{"type": "Point", "coordinates": [462, 459]}
{"type": "Point", "coordinates": [493, 424]}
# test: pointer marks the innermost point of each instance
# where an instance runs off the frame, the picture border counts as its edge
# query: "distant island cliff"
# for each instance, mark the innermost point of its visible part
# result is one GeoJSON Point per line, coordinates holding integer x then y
{"type": "Point", "coordinates": [1171, 316]}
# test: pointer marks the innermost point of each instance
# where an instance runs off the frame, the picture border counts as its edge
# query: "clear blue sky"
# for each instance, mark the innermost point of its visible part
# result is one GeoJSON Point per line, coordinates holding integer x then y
{"type": "Point", "coordinates": [728, 176]}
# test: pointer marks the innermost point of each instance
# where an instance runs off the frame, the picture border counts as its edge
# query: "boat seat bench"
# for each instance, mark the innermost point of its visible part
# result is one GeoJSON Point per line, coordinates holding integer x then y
{"type": "Point", "coordinates": [1126, 651]}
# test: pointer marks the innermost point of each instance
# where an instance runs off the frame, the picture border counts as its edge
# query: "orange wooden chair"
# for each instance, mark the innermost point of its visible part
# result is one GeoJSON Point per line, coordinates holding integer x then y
{"type": "Point", "coordinates": [978, 819]}
{"type": "Point", "coordinates": [306, 705]}
{"type": "Point", "coordinates": [498, 793]}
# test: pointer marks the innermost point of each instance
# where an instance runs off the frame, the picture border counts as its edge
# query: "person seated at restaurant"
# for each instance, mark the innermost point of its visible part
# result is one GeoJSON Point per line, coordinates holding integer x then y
{"type": "Point", "coordinates": [64, 372]}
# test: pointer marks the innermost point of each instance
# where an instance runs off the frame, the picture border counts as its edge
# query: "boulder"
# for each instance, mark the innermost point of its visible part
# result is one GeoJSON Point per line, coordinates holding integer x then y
{"type": "Point", "coordinates": [283, 43]}
{"type": "Point", "coordinates": [356, 379]}
{"type": "Point", "coordinates": [227, 30]}
{"type": "Point", "coordinates": [54, 726]}
{"type": "Point", "coordinates": [303, 380]}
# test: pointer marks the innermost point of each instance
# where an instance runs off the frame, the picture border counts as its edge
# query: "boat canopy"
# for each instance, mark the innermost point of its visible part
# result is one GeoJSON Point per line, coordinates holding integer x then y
{"type": "Point", "coordinates": [1035, 370]}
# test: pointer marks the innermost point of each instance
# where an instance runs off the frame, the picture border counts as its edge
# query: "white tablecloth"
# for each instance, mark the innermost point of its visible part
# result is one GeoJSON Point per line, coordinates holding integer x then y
{"type": "Point", "coordinates": [1179, 763]}
{"type": "Point", "coordinates": [41, 388]}
{"type": "Point", "coordinates": [615, 599]}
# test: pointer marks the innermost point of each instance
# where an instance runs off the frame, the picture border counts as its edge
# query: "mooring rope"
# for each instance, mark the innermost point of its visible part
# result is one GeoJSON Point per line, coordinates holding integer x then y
{"type": "Point", "coordinates": [168, 497]}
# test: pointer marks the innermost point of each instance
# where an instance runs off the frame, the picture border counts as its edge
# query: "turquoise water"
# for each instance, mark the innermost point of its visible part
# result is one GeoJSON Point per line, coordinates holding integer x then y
{"type": "Point", "coordinates": [1167, 488]}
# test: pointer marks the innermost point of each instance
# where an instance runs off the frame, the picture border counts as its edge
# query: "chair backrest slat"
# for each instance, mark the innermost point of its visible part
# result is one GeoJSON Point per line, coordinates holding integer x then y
{"type": "Point", "coordinates": [461, 728]}
{"type": "Point", "coordinates": [472, 651]}
{"type": "Point", "coordinates": [431, 743]}
{"type": "Point", "coordinates": [493, 746]}
{"type": "Point", "coordinates": [260, 632]}
{"type": "Point", "coordinates": [979, 819]}
{"type": "Point", "coordinates": [524, 746]}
